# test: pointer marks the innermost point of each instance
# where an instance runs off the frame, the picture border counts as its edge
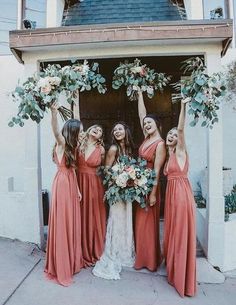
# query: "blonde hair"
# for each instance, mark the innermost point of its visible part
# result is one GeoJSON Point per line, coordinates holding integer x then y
{"type": "Point", "coordinates": [84, 140]}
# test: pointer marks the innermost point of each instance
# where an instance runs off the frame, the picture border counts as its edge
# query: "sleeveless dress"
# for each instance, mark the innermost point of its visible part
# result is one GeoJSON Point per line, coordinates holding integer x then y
{"type": "Point", "coordinates": [93, 211]}
{"type": "Point", "coordinates": [119, 245]}
{"type": "Point", "coordinates": [64, 254]}
{"type": "Point", "coordinates": [147, 240]}
{"type": "Point", "coordinates": [179, 229]}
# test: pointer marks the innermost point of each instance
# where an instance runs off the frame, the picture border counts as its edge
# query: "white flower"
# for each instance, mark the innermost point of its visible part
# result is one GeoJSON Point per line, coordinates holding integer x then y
{"type": "Point", "coordinates": [141, 182]}
{"type": "Point", "coordinates": [150, 90]}
{"type": "Point", "coordinates": [54, 81]}
{"type": "Point", "coordinates": [115, 168]}
{"type": "Point", "coordinates": [63, 69]}
{"type": "Point", "coordinates": [85, 69]}
{"type": "Point", "coordinates": [44, 85]}
{"type": "Point", "coordinates": [122, 179]}
{"type": "Point", "coordinates": [131, 171]}
{"type": "Point", "coordinates": [136, 69]}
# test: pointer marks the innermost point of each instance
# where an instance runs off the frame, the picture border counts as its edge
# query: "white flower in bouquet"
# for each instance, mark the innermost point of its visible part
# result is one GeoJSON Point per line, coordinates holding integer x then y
{"type": "Point", "coordinates": [122, 179]}
{"type": "Point", "coordinates": [82, 68]}
{"type": "Point", "coordinates": [44, 85]}
{"type": "Point", "coordinates": [54, 81]}
{"type": "Point", "coordinates": [141, 182]}
{"type": "Point", "coordinates": [85, 68]}
{"type": "Point", "coordinates": [136, 69]}
{"type": "Point", "coordinates": [150, 90]}
{"type": "Point", "coordinates": [139, 69]}
{"type": "Point", "coordinates": [115, 168]}
{"type": "Point", "coordinates": [131, 172]}
{"type": "Point", "coordinates": [65, 69]}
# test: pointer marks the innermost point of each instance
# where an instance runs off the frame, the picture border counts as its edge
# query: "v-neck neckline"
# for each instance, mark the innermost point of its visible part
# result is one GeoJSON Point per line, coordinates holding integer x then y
{"type": "Point", "coordinates": [86, 159]}
{"type": "Point", "coordinates": [178, 163]}
{"type": "Point", "coordinates": [147, 146]}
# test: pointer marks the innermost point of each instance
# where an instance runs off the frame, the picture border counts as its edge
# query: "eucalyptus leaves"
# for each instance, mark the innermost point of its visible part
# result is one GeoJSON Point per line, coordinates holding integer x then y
{"type": "Point", "coordinates": [204, 91]}
{"type": "Point", "coordinates": [38, 92]}
{"type": "Point", "coordinates": [129, 180]}
{"type": "Point", "coordinates": [134, 75]}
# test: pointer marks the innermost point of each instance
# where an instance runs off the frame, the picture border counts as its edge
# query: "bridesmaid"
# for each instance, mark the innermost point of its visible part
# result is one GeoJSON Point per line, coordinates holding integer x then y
{"type": "Point", "coordinates": [147, 241]}
{"type": "Point", "coordinates": [90, 156]}
{"type": "Point", "coordinates": [179, 224]}
{"type": "Point", "coordinates": [64, 254]}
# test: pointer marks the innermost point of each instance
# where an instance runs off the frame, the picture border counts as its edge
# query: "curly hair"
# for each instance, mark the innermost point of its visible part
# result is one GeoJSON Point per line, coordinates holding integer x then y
{"type": "Point", "coordinates": [84, 140]}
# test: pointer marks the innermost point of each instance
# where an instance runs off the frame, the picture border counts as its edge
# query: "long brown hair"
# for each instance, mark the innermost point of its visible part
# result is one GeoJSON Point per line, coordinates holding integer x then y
{"type": "Point", "coordinates": [70, 132]}
{"type": "Point", "coordinates": [129, 144]}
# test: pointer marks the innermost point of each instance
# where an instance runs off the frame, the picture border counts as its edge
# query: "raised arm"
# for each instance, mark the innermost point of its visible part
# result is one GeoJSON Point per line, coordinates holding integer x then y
{"type": "Point", "coordinates": [160, 157]}
{"type": "Point", "coordinates": [111, 156]}
{"type": "Point", "coordinates": [141, 108]}
{"type": "Point", "coordinates": [180, 128]}
{"type": "Point", "coordinates": [76, 110]}
{"type": "Point", "coordinates": [55, 126]}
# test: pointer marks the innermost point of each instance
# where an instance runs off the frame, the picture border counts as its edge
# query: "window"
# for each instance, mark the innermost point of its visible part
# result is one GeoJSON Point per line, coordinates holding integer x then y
{"type": "Point", "coordinates": [34, 13]}
{"type": "Point", "coordinates": [217, 9]}
{"type": "Point", "coordinates": [8, 22]}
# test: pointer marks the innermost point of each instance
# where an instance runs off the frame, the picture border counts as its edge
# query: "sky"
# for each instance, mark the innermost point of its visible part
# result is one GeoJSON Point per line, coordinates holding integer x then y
{"type": "Point", "coordinates": [35, 11]}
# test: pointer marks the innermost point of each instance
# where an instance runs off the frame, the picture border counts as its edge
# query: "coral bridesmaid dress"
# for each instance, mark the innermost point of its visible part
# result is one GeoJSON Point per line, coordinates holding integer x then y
{"type": "Point", "coordinates": [147, 241]}
{"type": "Point", "coordinates": [179, 229]}
{"type": "Point", "coordinates": [64, 254]}
{"type": "Point", "coordinates": [93, 209]}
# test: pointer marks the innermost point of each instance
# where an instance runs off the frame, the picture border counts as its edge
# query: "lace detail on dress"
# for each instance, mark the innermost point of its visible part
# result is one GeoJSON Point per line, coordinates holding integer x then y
{"type": "Point", "coordinates": [119, 246]}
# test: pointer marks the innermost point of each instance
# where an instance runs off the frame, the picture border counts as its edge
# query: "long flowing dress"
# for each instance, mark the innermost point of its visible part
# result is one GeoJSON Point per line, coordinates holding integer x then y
{"type": "Point", "coordinates": [179, 229]}
{"type": "Point", "coordinates": [119, 245]}
{"type": "Point", "coordinates": [64, 254]}
{"type": "Point", "coordinates": [93, 211]}
{"type": "Point", "coordinates": [147, 240]}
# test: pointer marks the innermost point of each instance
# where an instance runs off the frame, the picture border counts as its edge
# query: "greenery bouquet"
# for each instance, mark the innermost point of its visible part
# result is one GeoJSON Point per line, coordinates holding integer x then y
{"type": "Point", "coordinates": [134, 75]}
{"type": "Point", "coordinates": [129, 180]}
{"type": "Point", "coordinates": [203, 89]}
{"type": "Point", "coordinates": [39, 91]}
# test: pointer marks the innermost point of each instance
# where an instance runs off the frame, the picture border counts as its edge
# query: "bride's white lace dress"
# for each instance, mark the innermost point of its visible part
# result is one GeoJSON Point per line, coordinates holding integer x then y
{"type": "Point", "coordinates": [119, 245]}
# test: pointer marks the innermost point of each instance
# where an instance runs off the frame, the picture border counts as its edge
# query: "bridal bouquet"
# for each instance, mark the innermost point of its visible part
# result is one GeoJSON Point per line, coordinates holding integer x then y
{"type": "Point", "coordinates": [129, 180]}
{"type": "Point", "coordinates": [203, 89]}
{"type": "Point", "coordinates": [134, 75]}
{"type": "Point", "coordinates": [39, 91]}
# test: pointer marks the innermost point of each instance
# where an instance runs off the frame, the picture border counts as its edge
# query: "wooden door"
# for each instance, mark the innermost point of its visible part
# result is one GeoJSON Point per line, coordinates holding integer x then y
{"type": "Point", "coordinates": [114, 106]}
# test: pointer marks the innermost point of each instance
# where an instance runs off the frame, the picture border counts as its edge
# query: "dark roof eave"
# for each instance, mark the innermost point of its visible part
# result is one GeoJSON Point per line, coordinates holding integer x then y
{"type": "Point", "coordinates": [185, 29]}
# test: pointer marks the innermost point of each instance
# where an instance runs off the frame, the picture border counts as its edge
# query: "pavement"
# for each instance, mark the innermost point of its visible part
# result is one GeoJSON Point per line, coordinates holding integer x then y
{"type": "Point", "coordinates": [22, 282]}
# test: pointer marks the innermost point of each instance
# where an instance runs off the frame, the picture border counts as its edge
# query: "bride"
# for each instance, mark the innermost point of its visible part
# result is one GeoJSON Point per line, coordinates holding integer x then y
{"type": "Point", "coordinates": [119, 245]}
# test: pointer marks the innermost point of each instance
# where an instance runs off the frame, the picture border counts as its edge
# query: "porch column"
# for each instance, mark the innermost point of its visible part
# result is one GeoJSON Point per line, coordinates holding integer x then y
{"type": "Point", "coordinates": [194, 9]}
{"type": "Point", "coordinates": [20, 13]}
{"type": "Point", "coordinates": [32, 177]}
{"type": "Point", "coordinates": [215, 200]}
{"type": "Point", "coordinates": [55, 10]}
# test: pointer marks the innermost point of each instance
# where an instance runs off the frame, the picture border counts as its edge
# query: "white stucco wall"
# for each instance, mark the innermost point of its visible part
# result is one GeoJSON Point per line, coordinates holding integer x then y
{"type": "Point", "coordinates": [12, 155]}
{"type": "Point", "coordinates": [229, 124]}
